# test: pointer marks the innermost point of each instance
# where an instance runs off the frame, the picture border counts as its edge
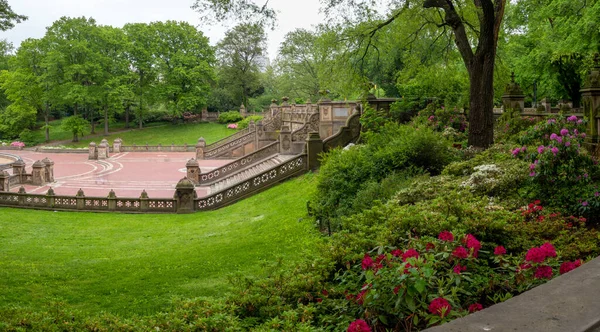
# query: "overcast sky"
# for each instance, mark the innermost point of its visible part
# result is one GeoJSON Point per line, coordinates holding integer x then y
{"type": "Point", "coordinates": [292, 14]}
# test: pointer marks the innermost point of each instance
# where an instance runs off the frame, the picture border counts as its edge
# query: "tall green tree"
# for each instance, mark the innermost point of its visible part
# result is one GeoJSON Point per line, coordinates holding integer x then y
{"type": "Point", "coordinates": [8, 17]}
{"type": "Point", "coordinates": [240, 54]}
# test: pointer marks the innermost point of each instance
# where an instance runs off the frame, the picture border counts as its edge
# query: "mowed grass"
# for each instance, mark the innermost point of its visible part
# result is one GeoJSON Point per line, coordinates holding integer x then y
{"type": "Point", "coordinates": [154, 134]}
{"type": "Point", "coordinates": [135, 264]}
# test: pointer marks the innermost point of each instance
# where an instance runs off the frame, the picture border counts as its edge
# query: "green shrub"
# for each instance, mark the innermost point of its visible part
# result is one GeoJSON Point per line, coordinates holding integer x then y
{"type": "Point", "coordinates": [244, 123]}
{"type": "Point", "coordinates": [230, 117]}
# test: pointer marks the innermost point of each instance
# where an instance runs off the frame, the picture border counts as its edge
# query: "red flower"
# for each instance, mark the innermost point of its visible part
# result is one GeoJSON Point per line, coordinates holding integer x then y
{"type": "Point", "coordinates": [524, 266]}
{"type": "Point", "coordinates": [319, 300]}
{"type": "Point", "coordinates": [543, 272]}
{"type": "Point", "coordinates": [475, 307]}
{"type": "Point", "coordinates": [429, 246]}
{"type": "Point", "coordinates": [499, 250]}
{"type": "Point", "coordinates": [396, 252]}
{"type": "Point", "coordinates": [396, 290]}
{"type": "Point", "coordinates": [460, 252]}
{"type": "Point", "coordinates": [359, 325]}
{"type": "Point", "coordinates": [569, 266]}
{"type": "Point", "coordinates": [549, 249]}
{"type": "Point", "coordinates": [367, 262]}
{"type": "Point", "coordinates": [446, 236]}
{"type": "Point", "coordinates": [440, 307]}
{"type": "Point", "coordinates": [325, 292]}
{"type": "Point", "coordinates": [360, 298]}
{"type": "Point", "coordinates": [407, 267]}
{"type": "Point", "coordinates": [472, 243]}
{"type": "Point", "coordinates": [458, 269]}
{"type": "Point", "coordinates": [536, 255]}
{"type": "Point", "coordinates": [410, 253]}
{"type": "Point", "coordinates": [537, 202]}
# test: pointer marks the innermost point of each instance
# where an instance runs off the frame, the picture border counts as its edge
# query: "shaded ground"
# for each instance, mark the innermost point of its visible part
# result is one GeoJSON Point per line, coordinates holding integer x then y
{"type": "Point", "coordinates": [126, 173]}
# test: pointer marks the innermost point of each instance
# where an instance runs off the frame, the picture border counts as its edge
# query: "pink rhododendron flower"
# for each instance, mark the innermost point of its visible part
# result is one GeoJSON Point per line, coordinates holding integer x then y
{"type": "Point", "coordinates": [446, 236]}
{"type": "Point", "coordinates": [359, 325]}
{"type": "Point", "coordinates": [569, 266]}
{"type": "Point", "coordinates": [543, 272]}
{"type": "Point", "coordinates": [553, 136]}
{"type": "Point", "coordinates": [564, 132]}
{"type": "Point", "coordinates": [540, 149]}
{"type": "Point", "coordinates": [460, 252]}
{"type": "Point", "coordinates": [458, 269]}
{"type": "Point", "coordinates": [396, 252]}
{"type": "Point", "coordinates": [440, 307]}
{"type": "Point", "coordinates": [410, 253]}
{"type": "Point", "coordinates": [536, 255]}
{"type": "Point", "coordinates": [367, 262]}
{"type": "Point", "coordinates": [567, 143]}
{"type": "Point", "coordinates": [548, 249]}
{"type": "Point", "coordinates": [472, 243]}
{"type": "Point", "coordinates": [572, 118]}
{"type": "Point", "coordinates": [499, 250]}
{"type": "Point", "coordinates": [555, 150]}
{"type": "Point", "coordinates": [429, 246]}
{"type": "Point", "coordinates": [475, 307]}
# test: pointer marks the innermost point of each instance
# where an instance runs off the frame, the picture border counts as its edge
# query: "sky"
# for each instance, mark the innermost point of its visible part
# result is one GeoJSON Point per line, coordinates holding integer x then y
{"type": "Point", "coordinates": [42, 13]}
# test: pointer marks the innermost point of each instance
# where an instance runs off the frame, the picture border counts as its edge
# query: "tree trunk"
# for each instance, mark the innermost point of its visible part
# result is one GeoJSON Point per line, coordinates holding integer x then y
{"type": "Point", "coordinates": [105, 120]}
{"type": "Point", "coordinates": [127, 116]}
{"type": "Point", "coordinates": [481, 106]}
{"type": "Point", "coordinates": [75, 138]}
{"type": "Point", "coordinates": [91, 115]}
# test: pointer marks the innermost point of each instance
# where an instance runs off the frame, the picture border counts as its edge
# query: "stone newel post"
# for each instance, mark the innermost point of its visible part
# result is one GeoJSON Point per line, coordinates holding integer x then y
{"type": "Point", "coordinates": [185, 195]}
{"type": "Point", "coordinates": [80, 197]}
{"type": "Point", "coordinates": [513, 97]}
{"type": "Point", "coordinates": [200, 146]}
{"type": "Point", "coordinates": [103, 150]}
{"type": "Point", "coordinates": [590, 100]}
{"type": "Point", "coordinates": [49, 169]}
{"type": "Point", "coordinates": [117, 145]}
{"type": "Point", "coordinates": [93, 151]}
{"type": "Point", "coordinates": [19, 169]}
{"type": "Point", "coordinates": [285, 140]}
{"type": "Point", "coordinates": [4, 181]}
{"type": "Point", "coordinates": [314, 148]}
{"type": "Point", "coordinates": [38, 175]}
{"type": "Point", "coordinates": [193, 170]}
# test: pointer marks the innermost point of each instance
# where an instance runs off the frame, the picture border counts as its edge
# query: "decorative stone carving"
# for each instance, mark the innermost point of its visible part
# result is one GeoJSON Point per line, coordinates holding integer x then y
{"type": "Point", "coordinates": [185, 194]}
{"type": "Point", "coordinates": [590, 100]}
{"type": "Point", "coordinates": [93, 151]}
{"type": "Point", "coordinates": [513, 98]}
{"type": "Point", "coordinates": [49, 169]}
{"type": "Point", "coordinates": [193, 171]}
{"type": "Point", "coordinates": [38, 175]}
{"type": "Point", "coordinates": [117, 145]}
{"type": "Point", "coordinates": [200, 147]}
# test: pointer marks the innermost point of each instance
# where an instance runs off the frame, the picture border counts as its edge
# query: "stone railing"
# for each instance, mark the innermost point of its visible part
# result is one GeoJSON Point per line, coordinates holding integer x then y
{"type": "Point", "coordinates": [227, 139]}
{"type": "Point", "coordinates": [158, 148]}
{"type": "Point", "coordinates": [82, 203]}
{"type": "Point", "coordinates": [249, 137]}
{"type": "Point", "coordinates": [261, 181]}
{"type": "Point", "coordinates": [236, 165]}
{"type": "Point", "coordinates": [347, 134]}
{"type": "Point", "coordinates": [311, 125]}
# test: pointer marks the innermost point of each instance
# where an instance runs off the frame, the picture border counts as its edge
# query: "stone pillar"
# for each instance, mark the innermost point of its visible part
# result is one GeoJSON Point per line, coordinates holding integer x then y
{"type": "Point", "coordinates": [103, 150]}
{"type": "Point", "coordinates": [545, 103]}
{"type": "Point", "coordinates": [285, 141]}
{"type": "Point", "coordinates": [243, 111]}
{"type": "Point", "coordinates": [251, 126]}
{"type": "Point", "coordinates": [93, 151]}
{"type": "Point", "coordinates": [112, 200]}
{"type": "Point", "coordinates": [117, 145]}
{"type": "Point", "coordinates": [273, 107]}
{"type": "Point", "coordinates": [204, 114]}
{"type": "Point", "coordinates": [80, 199]}
{"type": "Point", "coordinates": [144, 201]}
{"type": "Point", "coordinates": [590, 101]}
{"type": "Point", "coordinates": [38, 175]}
{"type": "Point", "coordinates": [258, 135]}
{"type": "Point", "coordinates": [49, 169]}
{"type": "Point", "coordinates": [193, 171]}
{"type": "Point", "coordinates": [19, 169]}
{"type": "Point", "coordinates": [314, 148]}
{"type": "Point", "coordinates": [50, 196]}
{"type": "Point", "coordinates": [4, 181]}
{"type": "Point", "coordinates": [22, 196]}
{"type": "Point", "coordinates": [200, 146]}
{"type": "Point", "coordinates": [513, 98]}
{"type": "Point", "coordinates": [185, 195]}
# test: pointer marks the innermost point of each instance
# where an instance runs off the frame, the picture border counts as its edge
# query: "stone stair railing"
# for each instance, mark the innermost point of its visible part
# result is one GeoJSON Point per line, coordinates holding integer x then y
{"type": "Point", "coordinates": [227, 148]}
{"type": "Point", "coordinates": [240, 163]}
{"type": "Point", "coordinates": [227, 139]}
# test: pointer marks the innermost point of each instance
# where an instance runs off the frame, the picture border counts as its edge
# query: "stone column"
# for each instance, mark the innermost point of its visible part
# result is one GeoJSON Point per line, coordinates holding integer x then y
{"type": "Point", "coordinates": [251, 126]}
{"type": "Point", "coordinates": [19, 169]}
{"type": "Point", "coordinates": [117, 145]}
{"type": "Point", "coordinates": [4, 181]}
{"type": "Point", "coordinates": [258, 135]}
{"type": "Point", "coordinates": [185, 195]}
{"type": "Point", "coordinates": [144, 201]}
{"type": "Point", "coordinates": [112, 200]}
{"type": "Point", "coordinates": [200, 146]}
{"type": "Point", "coordinates": [80, 199]}
{"type": "Point", "coordinates": [22, 196]}
{"type": "Point", "coordinates": [103, 150]}
{"type": "Point", "coordinates": [590, 101]}
{"type": "Point", "coordinates": [285, 141]}
{"type": "Point", "coordinates": [273, 107]}
{"type": "Point", "coordinates": [93, 151]}
{"type": "Point", "coordinates": [314, 148]}
{"type": "Point", "coordinates": [193, 171]}
{"type": "Point", "coordinates": [513, 98]}
{"type": "Point", "coordinates": [545, 103]}
{"type": "Point", "coordinates": [50, 195]}
{"type": "Point", "coordinates": [38, 175]}
{"type": "Point", "coordinates": [49, 169]}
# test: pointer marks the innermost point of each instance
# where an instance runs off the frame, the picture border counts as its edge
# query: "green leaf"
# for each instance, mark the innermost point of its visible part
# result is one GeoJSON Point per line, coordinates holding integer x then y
{"type": "Point", "coordinates": [420, 285]}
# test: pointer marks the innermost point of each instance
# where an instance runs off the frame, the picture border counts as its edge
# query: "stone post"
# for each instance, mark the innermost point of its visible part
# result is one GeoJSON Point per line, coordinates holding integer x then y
{"type": "Point", "coordinates": [22, 194]}
{"type": "Point", "coordinates": [314, 148]}
{"type": "Point", "coordinates": [545, 103]}
{"type": "Point", "coordinates": [19, 169]}
{"type": "Point", "coordinates": [38, 175]}
{"type": "Point", "coordinates": [273, 107]}
{"type": "Point", "coordinates": [50, 196]}
{"type": "Point", "coordinates": [112, 200]}
{"type": "Point", "coordinates": [258, 135]}
{"type": "Point", "coordinates": [185, 195]}
{"type": "Point", "coordinates": [144, 201]}
{"type": "Point", "coordinates": [590, 101]}
{"type": "Point", "coordinates": [117, 145]}
{"type": "Point", "coordinates": [80, 199]}
{"type": "Point", "coordinates": [193, 171]}
{"type": "Point", "coordinates": [103, 150]}
{"type": "Point", "coordinates": [4, 181]}
{"type": "Point", "coordinates": [200, 146]}
{"type": "Point", "coordinates": [204, 114]}
{"type": "Point", "coordinates": [513, 98]}
{"type": "Point", "coordinates": [93, 151]}
{"type": "Point", "coordinates": [49, 169]}
{"type": "Point", "coordinates": [251, 126]}
{"type": "Point", "coordinates": [285, 140]}
{"type": "Point", "coordinates": [243, 111]}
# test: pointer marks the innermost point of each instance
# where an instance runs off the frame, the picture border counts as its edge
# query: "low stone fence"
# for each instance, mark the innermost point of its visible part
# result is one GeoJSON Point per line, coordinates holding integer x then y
{"type": "Point", "coordinates": [156, 148]}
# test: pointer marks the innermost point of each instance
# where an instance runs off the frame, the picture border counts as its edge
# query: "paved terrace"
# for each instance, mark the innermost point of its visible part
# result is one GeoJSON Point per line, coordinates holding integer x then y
{"type": "Point", "coordinates": [127, 173]}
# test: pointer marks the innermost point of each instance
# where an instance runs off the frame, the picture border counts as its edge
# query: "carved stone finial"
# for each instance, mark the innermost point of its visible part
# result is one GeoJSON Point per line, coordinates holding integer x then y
{"type": "Point", "coordinates": [112, 194]}
{"type": "Point", "coordinates": [22, 190]}
{"type": "Point", "coordinates": [80, 193]}
{"type": "Point", "coordinates": [144, 194]}
{"type": "Point", "coordinates": [50, 192]}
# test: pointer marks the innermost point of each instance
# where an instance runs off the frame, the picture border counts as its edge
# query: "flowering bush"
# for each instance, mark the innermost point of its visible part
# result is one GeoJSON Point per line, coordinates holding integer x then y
{"type": "Point", "coordinates": [451, 122]}
{"type": "Point", "coordinates": [18, 144]}
{"type": "Point", "coordinates": [511, 123]}
{"type": "Point", "coordinates": [232, 126]}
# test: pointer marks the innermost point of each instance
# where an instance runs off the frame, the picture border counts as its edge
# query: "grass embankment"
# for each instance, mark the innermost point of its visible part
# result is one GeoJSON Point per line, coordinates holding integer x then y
{"type": "Point", "coordinates": [155, 133]}
{"type": "Point", "coordinates": [135, 264]}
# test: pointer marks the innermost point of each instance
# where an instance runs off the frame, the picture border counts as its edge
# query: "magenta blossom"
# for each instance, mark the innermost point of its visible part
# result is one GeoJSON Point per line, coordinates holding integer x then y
{"type": "Point", "coordinates": [555, 150]}
{"type": "Point", "coordinates": [572, 118]}
{"type": "Point", "coordinates": [541, 149]}
{"type": "Point", "coordinates": [553, 136]}
{"type": "Point", "coordinates": [564, 132]}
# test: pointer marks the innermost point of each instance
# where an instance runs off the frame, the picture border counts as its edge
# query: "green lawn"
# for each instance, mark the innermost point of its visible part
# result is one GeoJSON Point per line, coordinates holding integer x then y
{"type": "Point", "coordinates": [134, 264]}
{"type": "Point", "coordinates": [155, 133]}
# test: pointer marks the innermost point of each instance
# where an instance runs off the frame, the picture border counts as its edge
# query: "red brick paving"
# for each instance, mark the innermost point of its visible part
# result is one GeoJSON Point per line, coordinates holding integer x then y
{"type": "Point", "coordinates": [127, 173]}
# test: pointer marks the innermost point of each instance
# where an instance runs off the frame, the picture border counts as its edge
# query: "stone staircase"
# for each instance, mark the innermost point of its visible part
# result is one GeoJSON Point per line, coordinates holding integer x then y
{"type": "Point", "coordinates": [249, 172]}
